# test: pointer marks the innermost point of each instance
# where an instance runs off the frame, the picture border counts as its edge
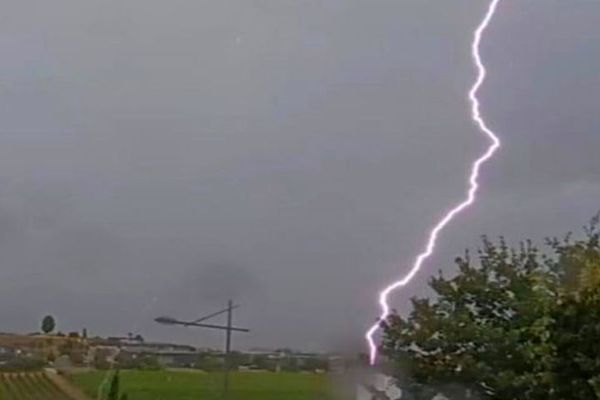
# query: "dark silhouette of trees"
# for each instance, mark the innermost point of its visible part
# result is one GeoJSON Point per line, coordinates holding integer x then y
{"type": "Point", "coordinates": [48, 324]}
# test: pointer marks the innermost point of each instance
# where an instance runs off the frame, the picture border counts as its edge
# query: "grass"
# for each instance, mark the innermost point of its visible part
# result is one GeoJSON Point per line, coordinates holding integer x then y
{"type": "Point", "coordinates": [183, 385]}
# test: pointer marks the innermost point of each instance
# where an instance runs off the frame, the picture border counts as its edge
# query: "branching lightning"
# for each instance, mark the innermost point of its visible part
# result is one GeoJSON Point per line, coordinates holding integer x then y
{"type": "Point", "coordinates": [473, 182]}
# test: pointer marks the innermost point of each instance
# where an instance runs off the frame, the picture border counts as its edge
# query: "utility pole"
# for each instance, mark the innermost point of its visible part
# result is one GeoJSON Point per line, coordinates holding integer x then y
{"type": "Point", "coordinates": [226, 360]}
{"type": "Point", "coordinates": [228, 328]}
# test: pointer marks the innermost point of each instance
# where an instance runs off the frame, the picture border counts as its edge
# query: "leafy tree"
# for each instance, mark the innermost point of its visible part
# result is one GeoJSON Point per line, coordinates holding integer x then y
{"type": "Point", "coordinates": [515, 325]}
{"type": "Point", "coordinates": [48, 324]}
{"type": "Point", "coordinates": [575, 327]}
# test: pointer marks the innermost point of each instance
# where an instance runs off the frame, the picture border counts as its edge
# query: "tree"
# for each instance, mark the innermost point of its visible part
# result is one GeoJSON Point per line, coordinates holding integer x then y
{"type": "Point", "coordinates": [574, 332]}
{"type": "Point", "coordinates": [48, 324]}
{"type": "Point", "coordinates": [575, 326]}
{"type": "Point", "coordinates": [516, 325]}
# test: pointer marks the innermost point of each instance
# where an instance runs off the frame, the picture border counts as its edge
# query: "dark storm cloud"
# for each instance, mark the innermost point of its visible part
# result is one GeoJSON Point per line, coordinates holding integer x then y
{"type": "Point", "coordinates": [212, 284]}
{"type": "Point", "coordinates": [162, 158]}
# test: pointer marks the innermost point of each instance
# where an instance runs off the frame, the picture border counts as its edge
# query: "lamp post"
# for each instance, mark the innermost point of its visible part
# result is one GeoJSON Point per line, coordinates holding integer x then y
{"type": "Point", "coordinates": [229, 329]}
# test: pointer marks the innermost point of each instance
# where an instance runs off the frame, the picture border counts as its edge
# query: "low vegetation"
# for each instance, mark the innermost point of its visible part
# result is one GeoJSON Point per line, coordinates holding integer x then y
{"type": "Point", "coordinates": [29, 386]}
{"type": "Point", "coordinates": [184, 385]}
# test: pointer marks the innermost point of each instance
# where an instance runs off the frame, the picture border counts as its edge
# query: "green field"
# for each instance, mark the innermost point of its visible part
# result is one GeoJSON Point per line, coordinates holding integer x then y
{"type": "Point", "coordinates": [183, 385]}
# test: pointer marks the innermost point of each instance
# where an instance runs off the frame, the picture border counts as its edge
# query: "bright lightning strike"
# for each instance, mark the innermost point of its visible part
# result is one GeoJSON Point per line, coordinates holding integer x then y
{"type": "Point", "coordinates": [473, 182]}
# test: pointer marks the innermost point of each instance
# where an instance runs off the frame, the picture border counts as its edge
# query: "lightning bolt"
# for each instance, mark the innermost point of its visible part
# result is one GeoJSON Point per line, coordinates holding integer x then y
{"type": "Point", "coordinates": [473, 183]}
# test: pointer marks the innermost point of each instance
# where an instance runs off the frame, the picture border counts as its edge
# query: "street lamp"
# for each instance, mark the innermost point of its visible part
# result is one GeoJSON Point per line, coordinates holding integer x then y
{"type": "Point", "coordinates": [229, 329]}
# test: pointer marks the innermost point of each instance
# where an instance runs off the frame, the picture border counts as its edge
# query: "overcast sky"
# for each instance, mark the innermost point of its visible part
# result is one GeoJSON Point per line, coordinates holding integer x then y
{"type": "Point", "coordinates": [161, 157]}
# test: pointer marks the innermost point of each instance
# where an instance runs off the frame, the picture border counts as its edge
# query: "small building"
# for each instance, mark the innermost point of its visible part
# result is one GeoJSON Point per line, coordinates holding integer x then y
{"type": "Point", "coordinates": [163, 354]}
{"type": "Point", "coordinates": [178, 359]}
{"type": "Point", "coordinates": [104, 354]}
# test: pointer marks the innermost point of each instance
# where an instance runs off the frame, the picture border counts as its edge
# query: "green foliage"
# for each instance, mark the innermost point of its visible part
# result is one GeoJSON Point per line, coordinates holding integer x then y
{"type": "Point", "coordinates": [515, 325]}
{"type": "Point", "coordinates": [575, 332]}
{"type": "Point", "coordinates": [114, 392]}
{"type": "Point", "coordinates": [48, 324]}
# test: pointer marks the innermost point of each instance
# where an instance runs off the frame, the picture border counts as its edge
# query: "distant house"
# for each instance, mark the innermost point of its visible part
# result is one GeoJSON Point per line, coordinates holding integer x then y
{"type": "Point", "coordinates": [157, 347]}
{"type": "Point", "coordinates": [63, 362]}
{"type": "Point", "coordinates": [166, 354]}
{"type": "Point", "coordinates": [104, 354]}
{"type": "Point", "coordinates": [181, 359]}
{"type": "Point", "coordinates": [283, 360]}
{"type": "Point", "coordinates": [40, 346]}
{"type": "Point", "coordinates": [169, 359]}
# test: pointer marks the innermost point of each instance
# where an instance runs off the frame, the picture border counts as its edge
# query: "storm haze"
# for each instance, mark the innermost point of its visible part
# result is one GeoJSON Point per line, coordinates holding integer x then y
{"type": "Point", "coordinates": [160, 158]}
